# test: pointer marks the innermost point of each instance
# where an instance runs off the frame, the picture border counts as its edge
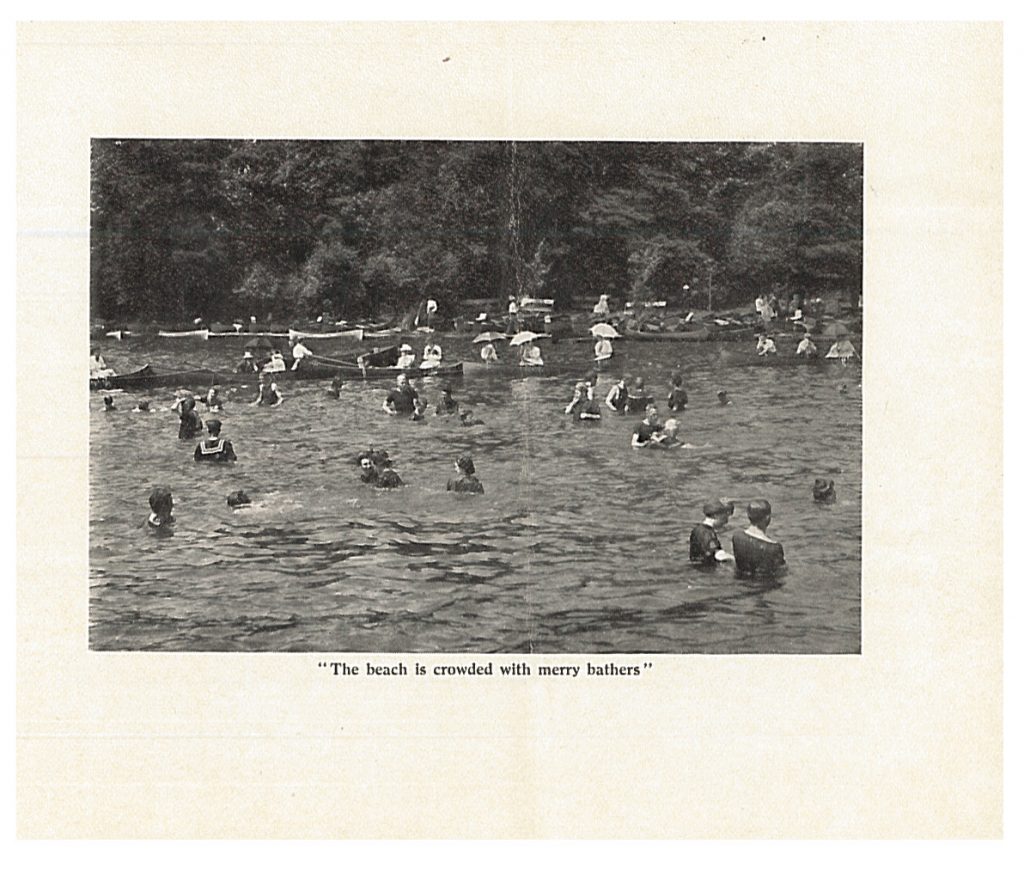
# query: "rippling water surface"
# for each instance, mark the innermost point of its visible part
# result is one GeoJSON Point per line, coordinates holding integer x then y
{"type": "Point", "coordinates": [579, 543]}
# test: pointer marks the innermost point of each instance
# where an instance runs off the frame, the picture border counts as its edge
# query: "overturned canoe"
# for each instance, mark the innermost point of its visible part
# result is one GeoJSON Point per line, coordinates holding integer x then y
{"type": "Point", "coordinates": [149, 377]}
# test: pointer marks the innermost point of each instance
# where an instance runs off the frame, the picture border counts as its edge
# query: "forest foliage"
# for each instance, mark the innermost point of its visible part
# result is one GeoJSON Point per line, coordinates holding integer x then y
{"type": "Point", "coordinates": [365, 229]}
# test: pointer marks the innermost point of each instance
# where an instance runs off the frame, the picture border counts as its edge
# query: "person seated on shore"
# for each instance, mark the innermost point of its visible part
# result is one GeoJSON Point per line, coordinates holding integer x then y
{"type": "Point", "coordinates": [601, 309]}
{"type": "Point", "coordinates": [108, 404]}
{"type": "Point", "coordinates": [488, 353]}
{"type": "Point", "coordinates": [677, 398]}
{"type": "Point", "coordinates": [214, 402]}
{"type": "Point", "coordinates": [512, 323]}
{"type": "Point", "coordinates": [98, 368]}
{"type": "Point", "coordinates": [299, 351]}
{"type": "Point", "coordinates": [162, 505]}
{"type": "Point", "coordinates": [239, 498]}
{"type": "Point", "coordinates": [467, 420]}
{"type": "Point", "coordinates": [402, 399]}
{"type": "Point", "coordinates": [807, 348]}
{"type": "Point", "coordinates": [723, 398]}
{"type": "Point", "coordinates": [638, 399]}
{"type": "Point", "coordinates": [247, 364]}
{"type": "Point", "coordinates": [190, 425]}
{"type": "Point", "coordinates": [755, 552]}
{"type": "Point", "coordinates": [337, 383]}
{"type": "Point", "coordinates": [649, 431]}
{"type": "Point", "coordinates": [579, 394]}
{"type": "Point", "coordinates": [466, 480]}
{"type": "Point", "coordinates": [214, 448]}
{"type": "Point", "coordinates": [603, 349]}
{"type": "Point", "coordinates": [618, 397]}
{"type": "Point", "coordinates": [432, 356]}
{"type": "Point", "coordinates": [406, 357]}
{"type": "Point", "coordinates": [843, 350]}
{"type": "Point", "coordinates": [447, 405]}
{"type": "Point", "coordinates": [276, 363]}
{"type": "Point", "coordinates": [269, 394]}
{"type": "Point", "coordinates": [590, 411]}
{"type": "Point", "coordinates": [530, 356]}
{"type": "Point", "coordinates": [824, 491]}
{"type": "Point", "coordinates": [766, 345]}
{"type": "Point", "coordinates": [705, 547]}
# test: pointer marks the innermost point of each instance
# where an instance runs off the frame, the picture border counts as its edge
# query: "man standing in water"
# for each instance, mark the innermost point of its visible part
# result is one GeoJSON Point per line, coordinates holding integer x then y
{"type": "Point", "coordinates": [403, 398]}
{"type": "Point", "coordinates": [645, 433]}
{"type": "Point", "coordinates": [755, 552]}
{"type": "Point", "coordinates": [705, 547]}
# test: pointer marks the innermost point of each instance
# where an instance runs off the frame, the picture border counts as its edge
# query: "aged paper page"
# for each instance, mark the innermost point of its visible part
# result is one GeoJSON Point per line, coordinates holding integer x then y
{"type": "Point", "coordinates": [901, 740]}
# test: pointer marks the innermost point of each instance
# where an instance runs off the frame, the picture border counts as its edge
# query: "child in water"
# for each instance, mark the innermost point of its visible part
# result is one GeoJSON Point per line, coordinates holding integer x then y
{"type": "Point", "coordinates": [162, 505]}
{"type": "Point", "coordinates": [466, 480]}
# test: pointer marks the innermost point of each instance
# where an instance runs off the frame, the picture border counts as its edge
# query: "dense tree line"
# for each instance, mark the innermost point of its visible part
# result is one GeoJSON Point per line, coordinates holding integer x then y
{"type": "Point", "coordinates": [366, 229]}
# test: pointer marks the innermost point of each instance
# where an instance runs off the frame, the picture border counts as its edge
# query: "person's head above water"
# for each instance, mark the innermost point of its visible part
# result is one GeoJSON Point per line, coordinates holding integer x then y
{"type": "Point", "coordinates": [722, 396]}
{"type": "Point", "coordinates": [108, 401]}
{"type": "Point", "coordinates": [671, 428]}
{"type": "Point", "coordinates": [760, 513]}
{"type": "Point", "coordinates": [639, 383]}
{"type": "Point", "coordinates": [465, 464]}
{"type": "Point", "coordinates": [160, 501]}
{"type": "Point", "coordinates": [402, 380]}
{"type": "Point", "coordinates": [213, 426]}
{"type": "Point", "coordinates": [365, 463]}
{"type": "Point", "coordinates": [651, 412]}
{"type": "Point", "coordinates": [238, 499]}
{"type": "Point", "coordinates": [718, 510]}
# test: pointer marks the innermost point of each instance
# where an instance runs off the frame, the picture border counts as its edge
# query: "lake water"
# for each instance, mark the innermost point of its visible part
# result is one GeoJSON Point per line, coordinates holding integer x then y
{"type": "Point", "coordinates": [579, 544]}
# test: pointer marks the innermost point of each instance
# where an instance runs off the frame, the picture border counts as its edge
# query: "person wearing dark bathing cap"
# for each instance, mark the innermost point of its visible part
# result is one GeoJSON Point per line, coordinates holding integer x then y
{"type": "Point", "coordinates": [447, 405]}
{"type": "Point", "coordinates": [705, 547]}
{"type": "Point", "coordinates": [677, 398]}
{"type": "Point", "coordinates": [723, 398]}
{"type": "Point", "coordinates": [755, 552]}
{"type": "Point", "coordinates": [108, 404]}
{"type": "Point", "coordinates": [162, 505]}
{"type": "Point", "coordinates": [191, 425]}
{"type": "Point", "coordinates": [824, 491]}
{"type": "Point", "coordinates": [239, 498]}
{"type": "Point", "coordinates": [214, 448]}
{"type": "Point", "coordinates": [466, 480]}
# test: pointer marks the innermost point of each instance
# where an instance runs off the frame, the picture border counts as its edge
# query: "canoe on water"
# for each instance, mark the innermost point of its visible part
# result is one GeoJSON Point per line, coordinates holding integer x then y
{"type": "Point", "coordinates": [149, 377]}
{"type": "Point", "coordinates": [698, 334]}
{"type": "Point", "coordinates": [748, 359]}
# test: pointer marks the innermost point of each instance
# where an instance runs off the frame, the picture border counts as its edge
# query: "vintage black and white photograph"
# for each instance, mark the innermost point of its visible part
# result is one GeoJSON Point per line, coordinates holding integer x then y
{"type": "Point", "coordinates": [475, 396]}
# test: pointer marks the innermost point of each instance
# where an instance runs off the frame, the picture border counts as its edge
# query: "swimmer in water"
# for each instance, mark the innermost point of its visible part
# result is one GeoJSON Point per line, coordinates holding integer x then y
{"type": "Point", "coordinates": [723, 398]}
{"type": "Point", "coordinates": [755, 552]}
{"type": "Point", "coordinates": [214, 402]}
{"type": "Point", "coordinates": [824, 491]}
{"type": "Point", "coordinates": [447, 405]}
{"type": "Point", "coordinates": [649, 431]}
{"type": "Point", "coordinates": [214, 448]}
{"type": "Point", "coordinates": [190, 425]}
{"type": "Point", "coordinates": [419, 412]}
{"type": "Point", "coordinates": [336, 385]}
{"type": "Point", "coordinates": [269, 394]}
{"type": "Point", "coordinates": [142, 407]}
{"type": "Point", "coordinates": [705, 547]}
{"type": "Point", "coordinates": [843, 389]}
{"type": "Point", "coordinates": [618, 397]}
{"type": "Point", "coordinates": [367, 472]}
{"type": "Point", "coordinates": [638, 399]}
{"type": "Point", "coordinates": [403, 398]}
{"type": "Point", "coordinates": [387, 478]}
{"type": "Point", "coordinates": [668, 437]}
{"type": "Point", "coordinates": [677, 398]}
{"type": "Point", "coordinates": [239, 499]}
{"type": "Point", "coordinates": [590, 411]}
{"type": "Point", "coordinates": [108, 404]}
{"type": "Point", "coordinates": [466, 480]}
{"type": "Point", "coordinates": [466, 419]}
{"type": "Point", "coordinates": [162, 505]}
{"type": "Point", "coordinates": [579, 394]}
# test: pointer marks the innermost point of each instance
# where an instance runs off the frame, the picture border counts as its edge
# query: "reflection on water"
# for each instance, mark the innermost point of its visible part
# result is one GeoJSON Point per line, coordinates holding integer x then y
{"type": "Point", "coordinates": [579, 543]}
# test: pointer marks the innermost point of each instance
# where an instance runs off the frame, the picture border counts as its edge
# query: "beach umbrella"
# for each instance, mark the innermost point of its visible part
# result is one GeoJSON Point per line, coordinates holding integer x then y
{"type": "Point", "coordinates": [605, 330]}
{"type": "Point", "coordinates": [836, 329]}
{"type": "Point", "coordinates": [489, 337]}
{"type": "Point", "coordinates": [526, 336]}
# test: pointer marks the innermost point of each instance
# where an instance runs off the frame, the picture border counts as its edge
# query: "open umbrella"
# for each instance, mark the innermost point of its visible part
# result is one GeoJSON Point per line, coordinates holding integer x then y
{"type": "Point", "coordinates": [526, 336]}
{"type": "Point", "coordinates": [489, 337]}
{"type": "Point", "coordinates": [605, 330]}
{"type": "Point", "coordinates": [836, 329]}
